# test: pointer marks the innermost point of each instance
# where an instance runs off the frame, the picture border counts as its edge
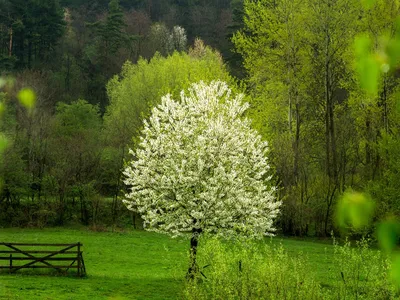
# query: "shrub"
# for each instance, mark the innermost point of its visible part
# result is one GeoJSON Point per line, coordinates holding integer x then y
{"type": "Point", "coordinates": [261, 270]}
{"type": "Point", "coordinates": [361, 272]}
{"type": "Point", "coordinates": [250, 270]}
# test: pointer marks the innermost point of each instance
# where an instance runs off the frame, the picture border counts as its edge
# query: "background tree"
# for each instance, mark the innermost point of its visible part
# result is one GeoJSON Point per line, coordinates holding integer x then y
{"type": "Point", "coordinates": [374, 110]}
{"type": "Point", "coordinates": [14, 180]}
{"type": "Point", "coordinates": [31, 30]}
{"type": "Point", "coordinates": [138, 24]}
{"type": "Point", "coordinates": [200, 168]}
{"type": "Point", "coordinates": [276, 78]}
{"type": "Point", "coordinates": [159, 39]}
{"type": "Point", "coordinates": [139, 88]}
{"type": "Point", "coordinates": [298, 58]}
{"type": "Point", "coordinates": [331, 34]}
{"type": "Point", "coordinates": [178, 39]}
{"type": "Point", "coordinates": [109, 38]}
{"type": "Point", "coordinates": [75, 154]}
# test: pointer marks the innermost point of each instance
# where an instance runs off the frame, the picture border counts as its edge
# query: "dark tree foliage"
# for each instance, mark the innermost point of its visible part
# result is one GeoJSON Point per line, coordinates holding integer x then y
{"type": "Point", "coordinates": [29, 32]}
{"type": "Point", "coordinates": [233, 58]}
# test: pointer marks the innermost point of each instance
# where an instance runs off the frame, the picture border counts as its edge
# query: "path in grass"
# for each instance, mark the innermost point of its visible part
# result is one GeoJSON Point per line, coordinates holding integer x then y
{"type": "Point", "coordinates": [128, 265]}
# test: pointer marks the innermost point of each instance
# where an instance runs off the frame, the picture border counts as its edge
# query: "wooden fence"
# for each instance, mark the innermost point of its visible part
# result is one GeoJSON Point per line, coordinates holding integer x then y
{"type": "Point", "coordinates": [62, 257]}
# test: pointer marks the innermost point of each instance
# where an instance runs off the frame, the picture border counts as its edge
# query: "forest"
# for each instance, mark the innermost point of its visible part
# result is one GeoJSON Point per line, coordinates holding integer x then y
{"type": "Point", "coordinates": [98, 67]}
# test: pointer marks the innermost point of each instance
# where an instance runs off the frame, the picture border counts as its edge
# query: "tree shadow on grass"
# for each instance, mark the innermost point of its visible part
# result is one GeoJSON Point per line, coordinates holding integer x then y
{"type": "Point", "coordinates": [72, 273]}
{"type": "Point", "coordinates": [31, 285]}
{"type": "Point", "coordinates": [141, 287]}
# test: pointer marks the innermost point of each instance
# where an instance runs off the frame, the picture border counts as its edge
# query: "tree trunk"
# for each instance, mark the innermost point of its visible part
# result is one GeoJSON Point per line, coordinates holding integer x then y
{"type": "Point", "coordinates": [114, 207]}
{"type": "Point", "coordinates": [333, 141]}
{"type": "Point", "coordinates": [328, 210]}
{"type": "Point", "coordinates": [368, 148]}
{"type": "Point", "coordinates": [290, 117]}
{"type": "Point", "coordinates": [29, 54]}
{"type": "Point", "coordinates": [297, 144]}
{"type": "Point", "coordinates": [61, 207]}
{"type": "Point", "coordinates": [327, 127]}
{"type": "Point", "coordinates": [193, 267]}
{"type": "Point", "coordinates": [10, 45]}
{"type": "Point", "coordinates": [385, 106]}
{"type": "Point", "coordinates": [68, 74]}
{"type": "Point", "coordinates": [134, 220]}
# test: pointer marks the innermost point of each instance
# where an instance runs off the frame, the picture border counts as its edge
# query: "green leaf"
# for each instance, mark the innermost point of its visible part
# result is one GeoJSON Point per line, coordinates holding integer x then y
{"type": "Point", "coordinates": [398, 105]}
{"type": "Point", "coordinates": [3, 143]}
{"type": "Point", "coordinates": [10, 82]}
{"type": "Point", "coordinates": [7, 82]}
{"type": "Point", "coordinates": [354, 209]}
{"type": "Point", "coordinates": [362, 46]}
{"type": "Point", "coordinates": [395, 270]}
{"type": "Point", "coordinates": [367, 66]}
{"type": "Point", "coordinates": [2, 82]}
{"type": "Point", "coordinates": [393, 52]}
{"type": "Point", "coordinates": [368, 3]}
{"type": "Point", "coordinates": [387, 233]}
{"type": "Point", "coordinates": [27, 98]}
{"type": "Point", "coordinates": [2, 108]}
{"type": "Point", "coordinates": [397, 27]}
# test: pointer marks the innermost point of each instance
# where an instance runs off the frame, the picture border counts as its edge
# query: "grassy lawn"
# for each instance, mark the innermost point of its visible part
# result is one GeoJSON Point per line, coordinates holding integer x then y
{"type": "Point", "coordinates": [317, 253]}
{"type": "Point", "coordinates": [132, 265]}
{"type": "Point", "coordinates": [127, 265]}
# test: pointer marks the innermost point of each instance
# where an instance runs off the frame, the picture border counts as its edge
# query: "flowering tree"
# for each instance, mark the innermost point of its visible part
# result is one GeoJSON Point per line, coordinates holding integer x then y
{"type": "Point", "coordinates": [201, 168]}
{"type": "Point", "coordinates": [177, 39]}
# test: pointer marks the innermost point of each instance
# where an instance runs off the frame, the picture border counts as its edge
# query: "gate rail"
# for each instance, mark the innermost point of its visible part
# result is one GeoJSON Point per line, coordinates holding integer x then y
{"type": "Point", "coordinates": [17, 256]}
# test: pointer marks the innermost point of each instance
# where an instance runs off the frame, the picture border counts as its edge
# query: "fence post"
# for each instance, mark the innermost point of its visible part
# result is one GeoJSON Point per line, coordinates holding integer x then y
{"type": "Point", "coordinates": [10, 263]}
{"type": "Point", "coordinates": [79, 259]}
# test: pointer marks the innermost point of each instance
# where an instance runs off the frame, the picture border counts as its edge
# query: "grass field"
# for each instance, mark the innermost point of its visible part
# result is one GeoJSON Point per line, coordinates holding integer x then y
{"type": "Point", "coordinates": [127, 265]}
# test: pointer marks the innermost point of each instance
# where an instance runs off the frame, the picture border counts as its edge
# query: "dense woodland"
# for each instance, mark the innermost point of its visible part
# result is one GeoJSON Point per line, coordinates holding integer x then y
{"type": "Point", "coordinates": [98, 67]}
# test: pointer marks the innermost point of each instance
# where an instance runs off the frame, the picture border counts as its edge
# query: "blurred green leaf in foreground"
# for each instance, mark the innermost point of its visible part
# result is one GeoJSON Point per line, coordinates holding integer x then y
{"type": "Point", "coordinates": [27, 98]}
{"type": "Point", "coordinates": [354, 210]}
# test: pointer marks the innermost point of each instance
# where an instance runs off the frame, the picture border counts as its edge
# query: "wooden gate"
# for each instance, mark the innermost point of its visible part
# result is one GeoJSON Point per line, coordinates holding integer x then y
{"type": "Point", "coordinates": [62, 257]}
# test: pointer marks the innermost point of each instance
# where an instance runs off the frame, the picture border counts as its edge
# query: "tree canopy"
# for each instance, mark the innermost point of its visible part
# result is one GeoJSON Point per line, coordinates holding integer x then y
{"type": "Point", "coordinates": [200, 166]}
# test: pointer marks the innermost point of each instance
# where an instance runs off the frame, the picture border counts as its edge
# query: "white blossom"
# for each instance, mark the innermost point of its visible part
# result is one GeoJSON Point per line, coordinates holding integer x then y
{"type": "Point", "coordinates": [200, 165]}
{"type": "Point", "coordinates": [178, 39]}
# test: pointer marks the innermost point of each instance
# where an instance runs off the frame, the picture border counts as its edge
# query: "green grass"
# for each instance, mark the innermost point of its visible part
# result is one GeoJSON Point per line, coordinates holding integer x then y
{"type": "Point", "coordinates": [131, 265]}
{"type": "Point", "coordinates": [318, 253]}
{"type": "Point", "coordinates": [128, 265]}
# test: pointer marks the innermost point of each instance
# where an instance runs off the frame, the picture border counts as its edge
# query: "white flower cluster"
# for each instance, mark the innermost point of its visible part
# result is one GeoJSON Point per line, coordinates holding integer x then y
{"type": "Point", "coordinates": [177, 39]}
{"type": "Point", "coordinates": [199, 165]}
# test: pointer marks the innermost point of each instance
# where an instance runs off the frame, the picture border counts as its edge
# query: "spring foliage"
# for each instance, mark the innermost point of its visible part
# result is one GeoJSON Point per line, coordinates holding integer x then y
{"type": "Point", "coordinates": [199, 165]}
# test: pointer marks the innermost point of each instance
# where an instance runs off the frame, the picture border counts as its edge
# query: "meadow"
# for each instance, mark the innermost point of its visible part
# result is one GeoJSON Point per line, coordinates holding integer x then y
{"type": "Point", "coordinates": [134, 265]}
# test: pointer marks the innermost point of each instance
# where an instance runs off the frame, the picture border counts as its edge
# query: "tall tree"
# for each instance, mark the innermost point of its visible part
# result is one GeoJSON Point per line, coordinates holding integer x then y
{"type": "Point", "coordinates": [138, 25]}
{"type": "Point", "coordinates": [200, 168]}
{"type": "Point", "coordinates": [102, 63]}
{"type": "Point", "coordinates": [375, 113]}
{"type": "Point", "coordinates": [112, 30]}
{"type": "Point", "coordinates": [75, 154]}
{"type": "Point", "coordinates": [332, 27]}
{"type": "Point", "coordinates": [34, 28]}
{"type": "Point", "coordinates": [297, 57]}
{"type": "Point", "coordinates": [277, 79]}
